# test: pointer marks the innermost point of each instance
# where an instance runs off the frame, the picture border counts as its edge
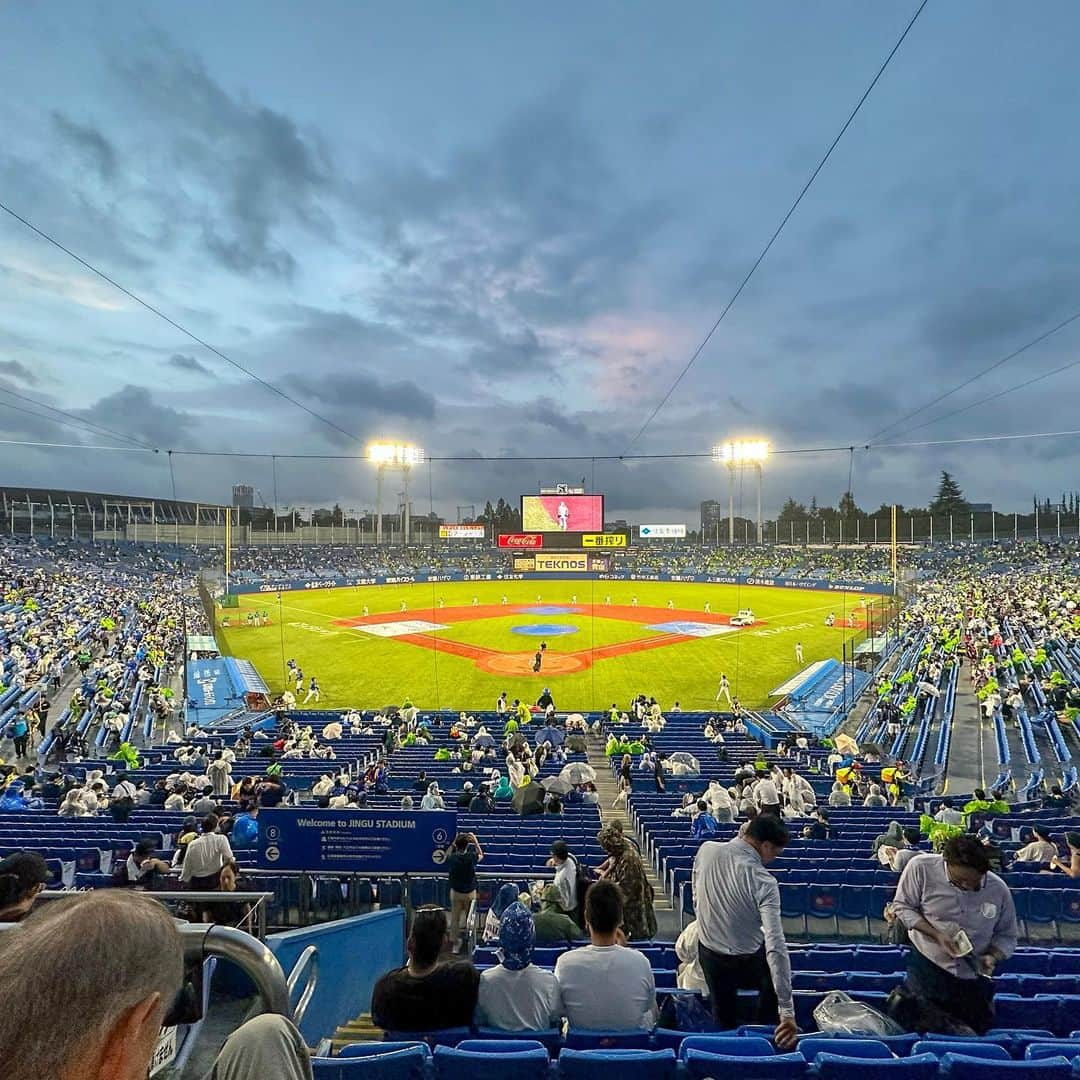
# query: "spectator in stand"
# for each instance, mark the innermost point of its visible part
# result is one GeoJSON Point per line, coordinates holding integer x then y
{"type": "Point", "coordinates": [1042, 848]}
{"type": "Point", "coordinates": [948, 815]}
{"type": "Point", "coordinates": [1057, 799]}
{"type": "Point", "coordinates": [466, 796]}
{"type": "Point", "coordinates": [123, 966]}
{"type": "Point", "coordinates": [606, 985]}
{"type": "Point", "coordinates": [481, 802]}
{"type": "Point", "coordinates": [839, 795]}
{"type": "Point", "coordinates": [506, 896]}
{"type": "Point", "coordinates": [896, 857]}
{"type": "Point", "coordinates": [143, 868]}
{"type": "Point", "coordinates": [742, 942]}
{"type": "Point", "coordinates": [22, 876]}
{"type": "Point", "coordinates": [624, 868]}
{"type": "Point", "coordinates": [875, 798]}
{"type": "Point", "coordinates": [426, 995]}
{"type": "Point", "coordinates": [462, 857]}
{"type": "Point", "coordinates": [552, 924]}
{"type": "Point", "coordinates": [1072, 867]}
{"type": "Point", "coordinates": [704, 826]}
{"type": "Point", "coordinates": [517, 995]}
{"type": "Point", "coordinates": [565, 866]}
{"type": "Point", "coordinates": [937, 897]}
{"type": "Point", "coordinates": [209, 866]}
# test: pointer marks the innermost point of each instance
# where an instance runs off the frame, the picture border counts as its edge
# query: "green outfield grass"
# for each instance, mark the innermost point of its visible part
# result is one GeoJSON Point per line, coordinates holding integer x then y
{"type": "Point", "coordinates": [358, 669]}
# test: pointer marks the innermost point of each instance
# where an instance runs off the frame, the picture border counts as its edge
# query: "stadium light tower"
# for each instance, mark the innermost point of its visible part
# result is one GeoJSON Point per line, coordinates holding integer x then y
{"type": "Point", "coordinates": [738, 454]}
{"type": "Point", "coordinates": [398, 456]}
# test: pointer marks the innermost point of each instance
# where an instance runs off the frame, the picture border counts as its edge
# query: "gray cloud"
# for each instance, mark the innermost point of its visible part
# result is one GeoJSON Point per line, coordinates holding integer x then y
{"type": "Point", "coordinates": [261, 172]}
{"type": "Point", "coordinates": [134, 411]}
{"type": "Point", "coordinates": [184, 362]}
{"type": "Point", "coordinates": [90, 143]}
{"type": "Point", "coordinates": [359, 391]}
{"type": "Point", "coordinates": [14, 369]}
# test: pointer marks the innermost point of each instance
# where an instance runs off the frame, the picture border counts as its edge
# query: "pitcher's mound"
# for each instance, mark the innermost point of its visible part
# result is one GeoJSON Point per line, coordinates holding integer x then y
{"type": "Point", "coordinates": [521, 664]}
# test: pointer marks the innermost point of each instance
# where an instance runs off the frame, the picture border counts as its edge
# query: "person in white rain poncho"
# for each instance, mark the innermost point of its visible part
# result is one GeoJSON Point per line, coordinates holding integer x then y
{"type": "Point", "coordinates": [719, 799]}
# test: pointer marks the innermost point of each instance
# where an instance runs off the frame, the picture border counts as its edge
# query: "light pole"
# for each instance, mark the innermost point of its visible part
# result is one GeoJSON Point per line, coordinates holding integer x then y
{"type": "Point", "coordinates": [398, 456]}
{"type": "Point", "coordinates": [738, 454]}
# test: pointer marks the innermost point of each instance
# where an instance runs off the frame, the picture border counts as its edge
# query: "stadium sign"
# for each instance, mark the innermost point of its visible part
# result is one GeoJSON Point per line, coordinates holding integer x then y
{"type": "Point", "coordinates": [462, 532]}
{"type": "Point", "coordinates": [521, 540]}
{"type": "Point", "coordinates": [662, 532]}
{"type": "Point", "coordinates": [546, 564]}
{"type": "Point", "coordinates": [604, 540]}
{"type": "Point", "coordinates": [523, 563]}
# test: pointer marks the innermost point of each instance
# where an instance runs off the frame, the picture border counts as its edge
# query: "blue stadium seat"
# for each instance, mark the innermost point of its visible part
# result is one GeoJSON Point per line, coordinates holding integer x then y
{"type": "Point", "coordinates": [591, 1039]}
{"type": "Point", "coordinates": [509, 1045]}
{"type": "Point", "coordinates": [624, 1064]}
{"type": "Point", "coordinates": [822, 905]}
{"type": "Point", "coordinates": [1013, 1011]}
{"type": "Point", "coordinates": [812, 1045]}
{"type": "Point", "coordinates": [972, 1048]}
{"type": "Point", "coordinates": [550, 1039]}
{"type": "Point", "coordinates": [960, 1067]}
{"type": "Point", "coordinates": [442, 1037]}
{"type": "Point", "coordinates": [454, 1064]}
{"type": "Point", "coordinates": [700, 1066]}
{"type": "Point", "coordinates": [734, 1045]}
{"type": "Point", "coordinates": [835, 1067]}
{"type": "Point", "coordinates": [374, 1061]}
{"type": "Point", "coordinates": [1069, 1048]}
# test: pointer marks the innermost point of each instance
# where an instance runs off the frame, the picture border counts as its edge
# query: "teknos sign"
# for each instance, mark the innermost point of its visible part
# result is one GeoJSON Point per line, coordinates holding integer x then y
{"type": "Point", "coordinates": [521, 540]}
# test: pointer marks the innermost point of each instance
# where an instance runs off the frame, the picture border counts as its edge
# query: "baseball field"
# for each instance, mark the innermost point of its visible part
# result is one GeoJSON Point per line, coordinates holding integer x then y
{"type": "Point", "coordinates": [458, 644]}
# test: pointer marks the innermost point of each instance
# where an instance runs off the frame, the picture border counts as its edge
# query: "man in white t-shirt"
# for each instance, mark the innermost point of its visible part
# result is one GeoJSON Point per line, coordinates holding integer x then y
{"type": "Point", "coordinates": [606, 985]}
{"type": "Point", "coordinates": [565, 876]}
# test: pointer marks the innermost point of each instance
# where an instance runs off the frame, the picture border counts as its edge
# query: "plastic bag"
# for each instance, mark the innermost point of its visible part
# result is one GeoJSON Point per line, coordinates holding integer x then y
{"type": "Point", "coordinates": [838, 1013]}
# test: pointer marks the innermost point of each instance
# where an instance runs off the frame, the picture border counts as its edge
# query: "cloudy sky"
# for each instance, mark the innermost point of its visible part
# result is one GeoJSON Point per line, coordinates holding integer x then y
{"type": "Point", "coordinates": [501, 229]}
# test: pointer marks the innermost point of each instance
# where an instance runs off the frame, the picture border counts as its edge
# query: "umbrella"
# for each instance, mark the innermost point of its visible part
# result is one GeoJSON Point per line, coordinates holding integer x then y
{"type": "Point", "coordinates": [557, 785]}
{"type": "Point", "coordinates": [576, 717]}
{"type": "Point", "coordinates": [845, 744]}
{"type": "Point", "coordinates": [528, 799]}
{"type": "Point", "coordinates": [577, 772]}
{"type": "Point", "coordinates": [482, 742]}
{"type": "Point", "coordinates": [576, 744]}
{"type": "Point", "coordinates": [683, 764]}
{"type": "Point", "coordinates": [553, 735]}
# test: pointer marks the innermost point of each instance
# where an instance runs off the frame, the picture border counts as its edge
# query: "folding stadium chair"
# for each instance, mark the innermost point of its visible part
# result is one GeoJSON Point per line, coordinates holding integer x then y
{"type": "Point", "coordinates": [812, 1045]}
{"type": "Point", "coordinates": [454, 1064]}
{"type": "Point", "coordinates": [793, 907]}
{"type": "Point", "coordinates": [374, 1061]}
{"type": "Point", "coordinates": [836, 1067]}
{"type": "Point", "coordinates": [1043, 911]}
{"type": "Point", "coordinates": [596, 1039]}
{"type": "Point", "coordinates": [733, 1045]}
{"type": "Point", "coordinates": [628, 1064]}
{"type": "Point", "coordinates": [992, 1051]}
{"type": "Point", "coordinates": [550, 1039]}
{"type": "Point", "coordinates": [853, 911]}
{"type": "Point", "coordinates": [1013, 1011]}
{"type": "Point", "coordinates": [961, 1067]}
{"type": "Point", "coordinates": [1069, 916]}
{"type": "Point", "coordinates": [700, 1066]}
{"type": "Point", "coordinates": [1069, 1048]}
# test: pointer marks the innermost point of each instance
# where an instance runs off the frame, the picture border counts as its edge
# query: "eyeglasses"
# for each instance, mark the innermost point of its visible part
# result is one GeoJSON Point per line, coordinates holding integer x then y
{"type": "Point", "coordinates": [962, 885]}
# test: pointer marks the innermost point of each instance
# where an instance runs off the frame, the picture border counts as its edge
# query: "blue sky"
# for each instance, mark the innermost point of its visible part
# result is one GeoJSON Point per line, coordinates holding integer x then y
{"type": "Point", "coordinates": [501, 229]}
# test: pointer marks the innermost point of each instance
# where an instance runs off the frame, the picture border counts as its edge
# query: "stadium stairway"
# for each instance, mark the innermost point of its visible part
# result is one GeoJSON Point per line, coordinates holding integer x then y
{"type": "Point", "coordinates": [608, 789]}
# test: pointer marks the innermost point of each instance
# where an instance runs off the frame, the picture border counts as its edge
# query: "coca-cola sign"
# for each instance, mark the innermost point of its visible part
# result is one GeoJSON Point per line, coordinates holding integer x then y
{"type": "Point", "coordinates": [521, 540]}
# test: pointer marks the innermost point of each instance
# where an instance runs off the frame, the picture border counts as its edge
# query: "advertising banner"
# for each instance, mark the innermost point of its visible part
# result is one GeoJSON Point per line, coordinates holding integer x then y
{"type": "Point", "coordinates": [521, 540]}
{"type": "Point", "coordinates": [364, 841]}
{"type": "Point", "coordinates": [662, 532]}
{"type": "Point", "coordinates": [605, 540]}
{"type": "Point", "coordinates": [562, 513]}
{"type": "Point", "coordinates": [524, 563]}
{"type": "Point", "coordinates": [545, 564]}
{"type": "Point", "coordinates": [462, 532]}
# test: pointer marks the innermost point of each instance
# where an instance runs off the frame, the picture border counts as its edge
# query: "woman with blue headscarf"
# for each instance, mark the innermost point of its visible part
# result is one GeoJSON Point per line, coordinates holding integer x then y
{"type": "Point", "coordinates": [517, 995]}
{"type": "Point", "coordinates": [506, 896]}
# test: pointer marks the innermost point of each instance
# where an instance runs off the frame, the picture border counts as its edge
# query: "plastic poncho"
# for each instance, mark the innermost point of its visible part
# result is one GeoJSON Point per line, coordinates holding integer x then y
{"type": "Point", "coordinates": [128, 754]}
{"type": "Point", "coordinates": [503, 791]}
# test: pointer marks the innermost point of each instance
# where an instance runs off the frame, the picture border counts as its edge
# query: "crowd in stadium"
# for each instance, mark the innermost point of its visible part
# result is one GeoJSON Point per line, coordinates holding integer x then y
{"type": "Point", "coordinates": [91, 638]}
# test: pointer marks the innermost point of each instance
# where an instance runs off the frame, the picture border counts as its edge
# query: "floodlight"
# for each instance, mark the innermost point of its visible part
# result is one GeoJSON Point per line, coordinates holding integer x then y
{"type": "Point", "coordinates": [398, 455]}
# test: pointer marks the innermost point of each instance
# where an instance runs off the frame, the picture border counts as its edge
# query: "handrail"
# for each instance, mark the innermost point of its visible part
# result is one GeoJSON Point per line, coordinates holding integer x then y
{"type": "Point", "coordinates": [309, 958]}
{"type": "Point", "coordinates": [201, 941]}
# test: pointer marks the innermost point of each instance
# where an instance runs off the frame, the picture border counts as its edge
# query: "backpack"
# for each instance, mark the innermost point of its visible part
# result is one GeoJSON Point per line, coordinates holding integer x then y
{"type": "Point", "coordinates": [583, 878]}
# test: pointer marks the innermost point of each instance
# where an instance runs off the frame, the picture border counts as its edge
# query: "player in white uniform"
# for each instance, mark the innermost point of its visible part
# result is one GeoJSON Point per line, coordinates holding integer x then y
{"type": "Point", "coordinates": [607, 601]}
{"type": "Point", "coordinates": [476, 601]}
{"type": "Point", "coordinates": [708, 608]}
{"type": "Point", "coordinates": [364, 611]}
{"type": "Point", "coordinates": [725, 689]}
{"type": "Point", "coordinates": [798, 652]}
{"type": "Point", "coordinates": [633, 601]}
{"type": "Point", "coordinates": [573, 599]}
{"type": "Point", "coordinates": [404, 606]}
{"type": "Point", "coordinates": [563, 513]}
{"type": "Point", "coordinates": [504, 601]}
{"type": "Point", "coordinates": [671, 605]}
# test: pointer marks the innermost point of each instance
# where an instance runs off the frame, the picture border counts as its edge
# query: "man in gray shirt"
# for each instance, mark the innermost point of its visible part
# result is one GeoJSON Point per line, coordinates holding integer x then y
{"type": "Point", "coordinates": [741, 939]}
{"type": "Point", "coordinates": [937, 897]}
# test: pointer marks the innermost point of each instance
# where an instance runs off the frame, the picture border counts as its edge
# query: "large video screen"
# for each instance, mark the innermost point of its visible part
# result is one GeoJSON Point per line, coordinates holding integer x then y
{"type": "Point", "coordinates": [562, 513]}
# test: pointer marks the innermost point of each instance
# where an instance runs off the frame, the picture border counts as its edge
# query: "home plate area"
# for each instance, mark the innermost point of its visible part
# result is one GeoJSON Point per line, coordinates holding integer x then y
{"type": "Point", "coordinates": [669, 628]}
